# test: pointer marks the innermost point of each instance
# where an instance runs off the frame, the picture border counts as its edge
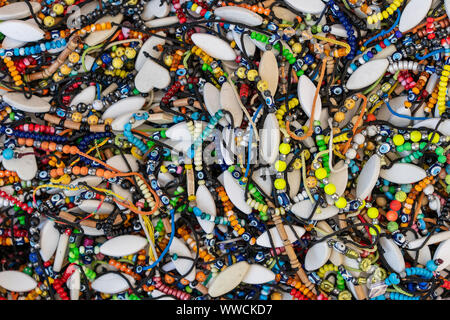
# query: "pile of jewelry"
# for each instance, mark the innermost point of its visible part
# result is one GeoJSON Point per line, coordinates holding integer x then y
{"type": "Point", "coordinates": [224, 150]}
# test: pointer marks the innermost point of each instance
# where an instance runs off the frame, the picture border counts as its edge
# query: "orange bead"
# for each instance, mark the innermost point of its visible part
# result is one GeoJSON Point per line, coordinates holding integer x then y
{"type": "Point", "coordinates": [169, 279]}
{"type": "Point", "coordinates": [21, 141]}
{"type": "Point", "coordinates": [84, 171]}
{"type": "Point", "coordinates": [52, 146]}
{"type": "Point", "coordinates": [66, 148]}
{"type": "Point", "coordinates": [29, 142]}
{"type": "Point", "coordinates": [73, 150]}
{"type": "Point", "coordinates": [44, 145]}
{"type": "Point", "coordinates": [200, 276]}
{"type": "Point", "coordinates": [76, 170]}
{"type": "Point", "coordinates": [107, 174]}
{"type": "Point", "coordinates": [53, 173]}
{"type": "Point", "coordinates": [99, 172]}
{"type": "Point", "coordinates": [60, 171]}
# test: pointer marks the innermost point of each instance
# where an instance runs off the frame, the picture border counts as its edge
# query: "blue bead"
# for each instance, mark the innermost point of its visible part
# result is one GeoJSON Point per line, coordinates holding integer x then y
{"type": "Point", "coordinates": [8, 154]}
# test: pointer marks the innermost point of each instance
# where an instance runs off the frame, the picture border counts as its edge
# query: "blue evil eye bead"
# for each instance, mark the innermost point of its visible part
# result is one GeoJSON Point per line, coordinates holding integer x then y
{"type": "Point", "coordinates": [384, 148]}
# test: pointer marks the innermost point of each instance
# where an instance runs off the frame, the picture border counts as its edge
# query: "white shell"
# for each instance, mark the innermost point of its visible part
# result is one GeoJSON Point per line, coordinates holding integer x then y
{"type": "Point", "coordinates": [49, 240]}
{"type": "Point", "coordinates": [339, 179]}
{"type": "Point", "coordinates": [413, 13]}
{"type": "Point", "coordinates": [162, 22]}
{"type": "Point", "coordinates": [317, 256]}
{"type": "Point", "coordinates": [447, 7]}
{"type": "Point", "coordinates": [124, 106]}
{"type": "Point", "coordinates": [61, 250]}
{"type": "Point", "coordinates": [262, 178]}
{"type": "Point", "coordinates": [424, 253]}
{"type": "Point", "coordinates": [228, 279]}
{"type": "Point", "coordinates": [304, 208]}
{"type": "Point", "coordinates": [249, 45]}
{"type": "Point", "coordinates": [93, 232]}
{"type": "Point", "coordinates": [293, 179]}
{"type": "Point", "coordinates": [182, 265]}
{"type": "Point", "coordinates": [97, 37]}
{"type": "Point", "coordinates": [211, 96]}
{"type": "Point", "coordinates": [92, 181]}
{"type": "Point", "coordinates": [86, 96]}
{"type": "Point", "coordinates": [90, 206]}
{"type": "Point", "coordinates": [367, 74]}
{"type": "Point", "coordinates": [403, 173]}
{"type": "Point", "coordinates": [9, 43]}
{"type": "Point", "coordinates": [119, 122]}
{"type": "Point", "coordinates": [306, 6]}
{"type": "Point", "coordinates": [73, 283]}
{"type": "Point", "coordinates": [258, 274]}
{"type": "Point", "coordinates": [112, 283]}
{"type": "Point", "coordinates": [18, 10]}
{"type": "Point", "coordinates": [148, 45]}
{"type": "Point", "coordinates": [21, 30]}
{"type": "Point", "coordinates": [125, 193]}
{"type": "Point", "coordinates": [305, 92]}
{"type": "Point", "coordinates": [213, 46]}
{"type": "Point", "coordinates": [268, 70]}
{"type": "Point", "coordinates": [263, 239]}
{"type": "Point", "coordinates": [179, 131]}
{"type": "Point", "coordinates": [26, 166]}
{"type": "Point", "coordinates": [123, 245]}
{"type": "Point", "coordinates": [150, 76]}
{"type": "Point", "coordinates": [368, 177]}
{"type": "Point", "coordinates": [392, 254]}
{"type": "Point", "coordinates": [156, 8]}
{"type": "Point", "coordinates": [17, 281]}
{"type": "Point", "coordinates": [443, 252]}
{"type": "Point", "coordinates": [228, 101]}
{"type": "Point", "coordinates": [336, 257]}
{"type": "Point", "coordinates": [118, 163]}
{"type": "Point", "coordinates": [269, 139]}
{"type": "Point", "coordinates": [444, 126]}
{"type": "Point", "coordinates": [205, 202]}
{"type": "Point", "coordinates": [239, 15]}
{"type": "Point", "coordinates": [397, 104]}
{"type": "Point", "coordinates": [435, 238]}
{"type": "Point", "coordinates": [17, 100]}
{"type": "Point", "coordinates": [235, 192]}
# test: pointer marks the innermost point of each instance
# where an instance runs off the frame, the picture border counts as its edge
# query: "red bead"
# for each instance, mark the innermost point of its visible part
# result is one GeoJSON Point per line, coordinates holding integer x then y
{"type": "Point", "coordinates": [395, 205]}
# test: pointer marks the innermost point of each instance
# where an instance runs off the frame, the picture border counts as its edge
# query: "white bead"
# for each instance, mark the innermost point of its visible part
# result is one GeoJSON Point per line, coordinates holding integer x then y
{"type": "Point", "coordinates": [429, 189]}
{"type": "Point", "coordinates": [359, 138]}
{"type": "Point", "coordinates": [351, 154]}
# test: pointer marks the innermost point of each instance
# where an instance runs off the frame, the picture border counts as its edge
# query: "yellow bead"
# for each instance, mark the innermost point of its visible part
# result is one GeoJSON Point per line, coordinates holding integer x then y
{"type": "Point", "coordinates": [240, 72]}
{"type": "Point", "coordinates": [398, 139]}
{"type": "Point", "coordinates": [130, 53]}
{"type": "Point", "coordinates": [370, 20]}
{"type": "Point", "coordinates": [280, 165]}
{"type": "Point", "coordinates": [372, 230]}
{"type": "Point", "coordinates": [65, 70]}
{"type": "Point", "coordinates": [380, 16]}
{"type": "Point", "coordinates": [341, 203]}
{"type": "Point", "coordinates": [297, 47]}
{"type": "Point", "coordinates": [92, 120]}
{"type": "Point", "coordinates": [262, 85]}
{"type": "Point", "coordinates": [311, 182]}
{"type": "Point", "coordinates": [58, 9]}
{"type": "Point", "coordinates": [330, 189]}
{"type": "Point", "coordinates": [69, 2]}
{"type": "Point", "coordinates": [120, 51]}
{"type": "Point", "coordinates": [285, 148]}
{"type": "Point", "coordinates": [74, 57]}
{"type": "Point", "coordinates": [168, 60]}
{"type": "Point", "coordinates": [117, 63]}
{"type": "Point", "coordinates": [320, 173]}
{"type": "Point", "coordinates": [400, 196]}
{"type": "Point", "coordinates": [76, 117]}
{"type": "Point", "coordinates": [435, 137]}
{"type": "Point", "coordinates": [297, 164]}
{"type": "Point", "coordinates": [49, 21]}
{"type": "Point", "coordinates": [279, 184]}
{"type": "Point", "coordinates": [194, 7]}
{"type": "Point", "coordinates": [372, 213]}
{"type": "Point", "coordinates": [415, 136]}
{"type": "Point", "coordinates": [252, 74]}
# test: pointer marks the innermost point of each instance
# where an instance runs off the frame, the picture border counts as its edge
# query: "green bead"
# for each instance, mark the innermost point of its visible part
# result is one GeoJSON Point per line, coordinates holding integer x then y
{"type": "Point", "coordinates": [392, 226]}
{"type": "Point", "coordinates": [407, 146]}
{"type": "Point", "coordinates": [439, 150]}
{"type": "Point", "coordinates": [12, 116]}
{"type": "Point", "coordinates": [253, 35]}
{"type": "Point", "coordinates": [300, 73]}
{"type": "Point", "coordinates": [204, 67]}
{"type": "Point", "coordinates": [442, 159]}
{"type": "Point", "coordinates": [401, 148]}
{"type": "Point", "coordinates": [422, 145]}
